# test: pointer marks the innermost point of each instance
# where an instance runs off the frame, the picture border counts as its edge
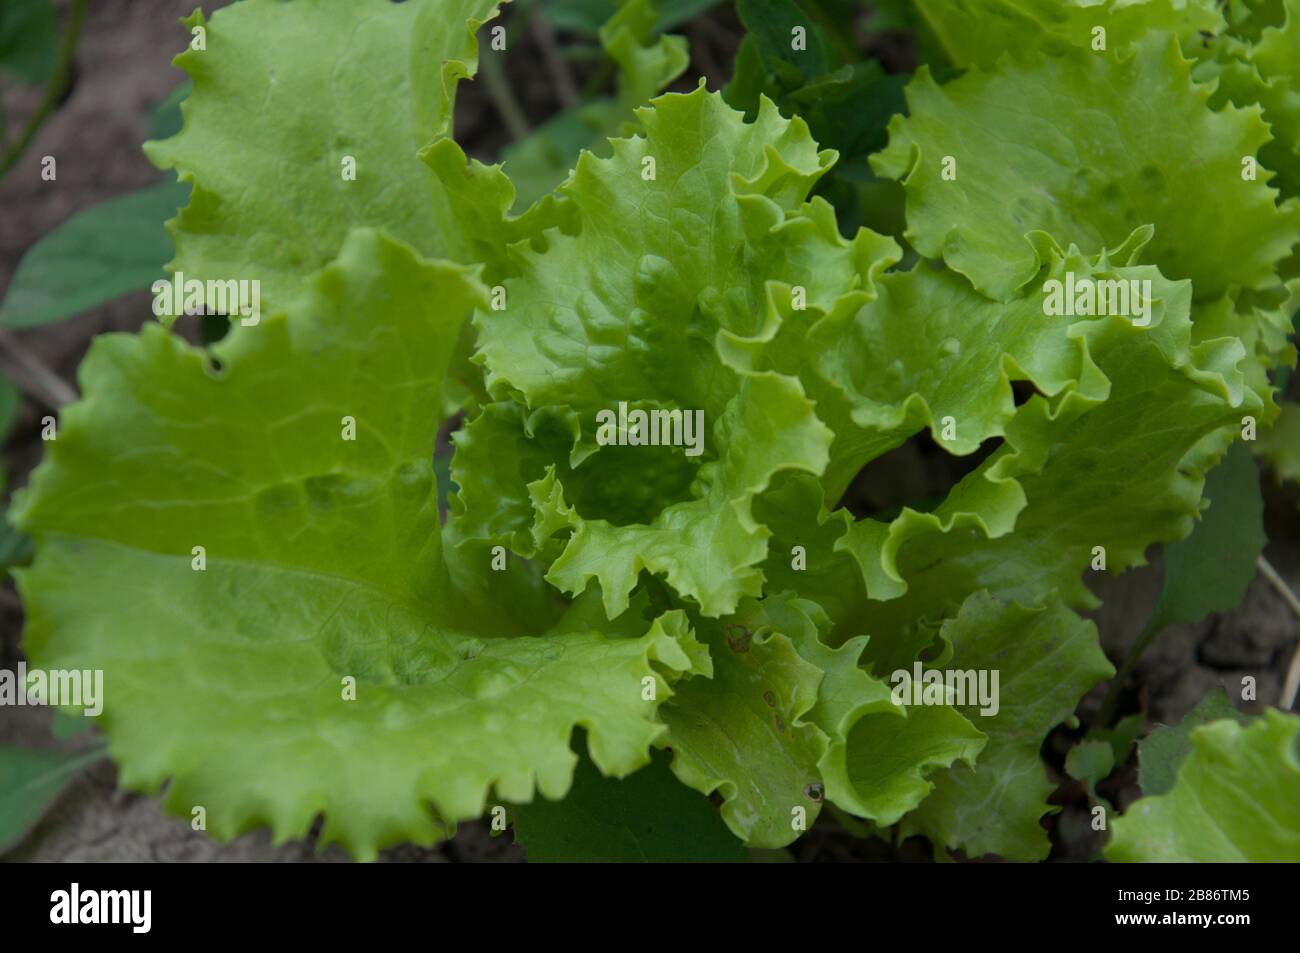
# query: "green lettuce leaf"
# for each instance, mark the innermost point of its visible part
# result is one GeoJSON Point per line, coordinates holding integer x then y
{"type": "Point", "coordinates": [587, 321]}
{"type": "Point", "coordinates": [889, 766]}
{"type": "Point", "coordinates": [229, 683]}
{"type": "Point", "coordinates": [1247, 19]}
{"type": "Point", "coordinates": [1237, 799]}
{"type": "Point", "coordinates": [845, 99]}
{"type": "Point", "coordinates": [979, 32]}
{"type": "Point", "coordinates": [1278, 60]}
{"type": "Point", "coordinates": [1245, 80]}
{"type": "Point", "coordinates": [687, 267]}
{"type": "Point", "coordinates": [272, 117]}
{"type": "Point", "coordinates": [497, 454]}
{"type": "Point", "coordinates": [1047, 659]}
{"type": "Point", "coordinates": [1119, 475]}
{"type": "Point", "coordinates": [788, 723]}
{"type": "Point", "coordinates": [648, 63]}
{"type": "Point", "coordinates": [1031, 155]}
{"type": "Point", "coordinates": [878, 749]}
{"type": "Point", "coordinates": [1262, 321]}
{"type": "Point", "coordinates": [745, 733]}
{"type": "Point", "coordinates": [802, 552]}
{"type": "Point", "coordinates": [929, 347]}
{"type": "Point", "coordinates": [771, 427]}
{"type": "Point", "coordinates": [631, 306]}
{"type": "Point", "coordinates": [1007, 526]}
{"type": "Point", "coordinates": [1280, 445]}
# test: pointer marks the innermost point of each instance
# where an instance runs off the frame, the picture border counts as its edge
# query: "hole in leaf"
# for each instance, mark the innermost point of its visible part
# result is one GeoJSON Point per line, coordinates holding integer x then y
{"type": "Point", "coordinates": [213, 327]}
{"type": "Point", "coordinates": [1022, 391]}
{"type": "Point", "coordinates": [918, 474]}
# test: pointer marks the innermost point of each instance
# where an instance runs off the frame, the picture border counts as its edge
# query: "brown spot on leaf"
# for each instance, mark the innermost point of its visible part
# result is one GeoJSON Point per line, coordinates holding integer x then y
{"type": "Point", "coordinates": [737, 637]}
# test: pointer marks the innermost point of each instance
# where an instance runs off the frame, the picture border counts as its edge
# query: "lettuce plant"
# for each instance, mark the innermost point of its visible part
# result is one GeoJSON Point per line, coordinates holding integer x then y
{"type": "Point", "coordinates": [247, 538]}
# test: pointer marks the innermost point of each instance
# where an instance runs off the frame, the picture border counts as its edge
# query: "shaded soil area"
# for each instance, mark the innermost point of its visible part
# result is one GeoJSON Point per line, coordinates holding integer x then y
{"type": "Point", "coordinates": [123, 72]}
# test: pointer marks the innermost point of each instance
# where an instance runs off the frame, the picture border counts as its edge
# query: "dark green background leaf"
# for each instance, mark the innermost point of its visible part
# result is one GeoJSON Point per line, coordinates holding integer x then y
{"type": "Point", "coordinates": [1210, 570]}
{"type": "Point", "coordinates": [15, 546]}
{"type": "Point", "coordinates": [845, 100]}
{"type": "Point", "coordinates": [1162, 753]}
{"type": "Point", "coordinates": [66, 725]}
{"type": "Point", "coordinates": [30, 779]}
{"type": "Point", "coordinates": [1121, 737]}
{"type": "Point", "coordinates": [166, 119]}
{"type": "Point", "coordinates": [29, 39]}
{"type": "Point", "coordinates": [539, 161]}
{"type": "Point", "coordinates": [587, 16]}
{"type": "Point", "coordinates": [649, 817]}
{"type": "Point", "coordinates": [767, 61]}
{"type": "Point", "coordinates": [1090, 761]}
{"type": "Point", "coordinates": [10, 400]}
{"type": "Point", "coordinates": [94, 257]}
